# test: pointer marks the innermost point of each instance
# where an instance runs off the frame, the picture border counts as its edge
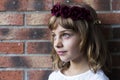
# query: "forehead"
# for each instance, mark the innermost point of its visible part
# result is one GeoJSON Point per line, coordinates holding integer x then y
{"type": "Point", "coordinates": [59, 28]}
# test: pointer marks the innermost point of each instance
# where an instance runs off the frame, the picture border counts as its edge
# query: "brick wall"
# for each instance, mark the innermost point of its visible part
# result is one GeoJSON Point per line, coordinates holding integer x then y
{"type": "Point", "coordinates": [25, 41]}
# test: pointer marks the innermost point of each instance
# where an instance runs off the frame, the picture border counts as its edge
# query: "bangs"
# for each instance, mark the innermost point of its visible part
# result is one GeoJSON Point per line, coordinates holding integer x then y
{"type": "Point", "coordinates": [65, 23]}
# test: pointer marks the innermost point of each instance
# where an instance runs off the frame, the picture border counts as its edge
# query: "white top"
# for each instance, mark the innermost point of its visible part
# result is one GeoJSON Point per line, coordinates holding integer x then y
{"type": "Point", "coordinates": [88, 75]}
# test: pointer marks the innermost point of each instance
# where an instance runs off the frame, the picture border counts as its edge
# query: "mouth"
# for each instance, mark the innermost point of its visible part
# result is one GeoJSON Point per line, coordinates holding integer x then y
{"type": "Point", "coordinates": [61, 52]}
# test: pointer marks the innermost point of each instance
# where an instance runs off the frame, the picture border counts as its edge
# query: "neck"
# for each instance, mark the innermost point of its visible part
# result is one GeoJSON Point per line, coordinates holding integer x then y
{"type": "Point", "coordinates": [77, 67]}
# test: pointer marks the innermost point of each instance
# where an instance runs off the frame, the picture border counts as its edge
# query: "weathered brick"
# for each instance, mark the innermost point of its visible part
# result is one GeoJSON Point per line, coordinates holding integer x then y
{"type": "Point", "coordinates": [37, 19]}
{"type": "Point", "coordinates": [2, 2]}
{"type": "Point", "coordinates": [116, 59]}
{"type": "Point", "coordinates": [96, 4]}
{"type": "Point", "coordinates": [38, 47]}
{"type": "Point", "coordinates": [11, 75]}
{"type": "Point", "coordinates": [116, 33]}
{"type": "Point", "coordinates": [109, 18]}
{"type": "Point", "coordinates": [38, 74]}
{"type": "Point", "coordinates": [8, 34]}
{"type": "Point", "coordinates": [25, 62]}
{"type": "Point", "coordinates": [13, 5]}
{"type": "Point", "coordinates": [25, 5]}
{"type": "Point", "coordinates": [11, 48]}
{"type": "Point", "coordinates": [39, 5]}
{"type": "Point", "coordinates": [39, 61]}
{"type": "Point", "coordinates": [24, 34]}
{"type": "Point", "coordinates": [99, 4]}
{"type": "Point", "coordinates": [114, 46]}
{"type": "Point", "coordinates": [13, 62]}
{"type": "Point", "coordinates": [5, 62]}
{"type": "Point", "coordinates": [11, 19]}
{"type": "Point", "coordinates": [116, 4]}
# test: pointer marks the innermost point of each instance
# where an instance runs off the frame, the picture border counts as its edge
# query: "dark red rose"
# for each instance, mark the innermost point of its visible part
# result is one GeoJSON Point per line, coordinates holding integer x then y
{"type": "Point", "coordinates": [65, 11]}
{"type": "Point", "coordinates": [56, 10]}
{"type": "Point", "coordinates": [75, 13]}
{"type": "Point", "coordinates": [86, 15]}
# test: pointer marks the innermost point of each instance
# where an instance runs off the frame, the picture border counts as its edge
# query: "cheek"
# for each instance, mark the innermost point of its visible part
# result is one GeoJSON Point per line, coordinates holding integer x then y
{"type": "Point", "coordinates": [71, 44]}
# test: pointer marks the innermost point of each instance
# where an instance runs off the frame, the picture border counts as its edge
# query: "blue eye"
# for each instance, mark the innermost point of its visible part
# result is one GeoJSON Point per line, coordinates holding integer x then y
{"type": "Point", "coordinates": [66, 35]}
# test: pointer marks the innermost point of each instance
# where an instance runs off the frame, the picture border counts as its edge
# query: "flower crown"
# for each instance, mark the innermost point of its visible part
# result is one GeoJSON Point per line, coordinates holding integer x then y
{"type": "Point", "coordinates": [75, 12]}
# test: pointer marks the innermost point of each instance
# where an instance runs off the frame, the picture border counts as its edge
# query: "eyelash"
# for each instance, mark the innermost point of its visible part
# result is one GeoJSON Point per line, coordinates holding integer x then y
{"type": "Point", "coordinates": [66, 35]}
{"type": "Point", "coordinates": [63, 35]}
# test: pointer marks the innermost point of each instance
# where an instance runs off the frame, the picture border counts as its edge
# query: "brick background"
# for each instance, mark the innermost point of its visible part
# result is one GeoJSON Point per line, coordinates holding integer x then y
{"type": "Point", "coordinates": [25, 40]}
{"type": "Point", "coordinates": [11, 48]}
{"type": "Point", "coordinates": [8, 75]}
{"type": "Point", "coordinates": [11, 19]}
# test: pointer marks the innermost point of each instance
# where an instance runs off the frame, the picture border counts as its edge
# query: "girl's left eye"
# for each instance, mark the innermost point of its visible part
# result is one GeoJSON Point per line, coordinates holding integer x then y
{"type": "Point", "coordinates": [66, 35]}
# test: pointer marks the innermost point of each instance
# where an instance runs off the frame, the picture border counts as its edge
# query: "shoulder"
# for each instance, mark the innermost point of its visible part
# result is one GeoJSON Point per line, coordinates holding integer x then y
{"type": "Point", "coordinates": [100, 75]}
{"type": "Point", "coordinates": [53, 75]}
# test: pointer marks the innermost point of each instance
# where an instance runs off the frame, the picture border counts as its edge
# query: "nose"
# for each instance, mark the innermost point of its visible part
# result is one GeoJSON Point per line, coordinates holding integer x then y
{"type": "Point", "coordinates": [58, 43]}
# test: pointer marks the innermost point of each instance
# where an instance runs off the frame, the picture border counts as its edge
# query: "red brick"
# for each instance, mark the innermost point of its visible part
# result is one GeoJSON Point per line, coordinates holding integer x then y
{"type": "Point", "coordinates": [38, 47]}
{"type": "Point", "coordinates": [11, 19]}
{"type": "Point", "coordinates": [37, 19]}
{"type": "Point", "coordinates": [96, 4]}
{"type": "Point", "coordinates": [13, 5]}
{"type": "Point", "coordinates": [5, 62]}
{"type": "Point", "coordinates": [99, 4]}
{"type": "Point", "coordinates": [13, 62]}
{"type": "Point", "coordinates": [116, 59]}
{"type": "Point", "coordinates": [109, 18]}
{"type": "Point", "coordinates": [25, 62]}
{"type": "Point", "coordinates": [11, 48]}
{"type": "Point", "coordinates": [38, 74]}
{"type": "Point", "coordinates": [7, 33]}
{"type": "Point", "coordinates": [24, 34]}
{"type": "Point", "coordinates": [11, 75]}
{"type": "Point", "coordinates": [39, 61]}
{"type": "Point", "coordinates": [39, 5]}
{"type": "Point", "coordinates": [25, 5]}
{"type": "Point", "coordinates": [2, 2]}
{"type": "Point", "coordinates": [114, 46]}
{"type": "Point", "coordinates": [116, 4]}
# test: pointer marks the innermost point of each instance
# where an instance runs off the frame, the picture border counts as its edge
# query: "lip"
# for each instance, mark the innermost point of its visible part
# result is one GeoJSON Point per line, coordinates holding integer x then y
{"type": "Point", "coordinates": [61, 52]}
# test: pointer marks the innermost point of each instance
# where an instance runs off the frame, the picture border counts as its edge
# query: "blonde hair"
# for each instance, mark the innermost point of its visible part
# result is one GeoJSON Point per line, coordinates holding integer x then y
{"type": "Point", "coordinates": [92, 43]}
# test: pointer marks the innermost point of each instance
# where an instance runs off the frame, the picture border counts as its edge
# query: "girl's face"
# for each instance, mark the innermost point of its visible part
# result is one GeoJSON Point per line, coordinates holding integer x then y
{"type": "Point", "coordinates": [66, 44]}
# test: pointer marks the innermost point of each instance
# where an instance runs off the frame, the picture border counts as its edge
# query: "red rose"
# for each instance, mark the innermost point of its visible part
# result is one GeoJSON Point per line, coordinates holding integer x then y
{"type": "Point", "coordinates": [75, 13]}
{"type": "Point", "coordinates": [65, 11]}
{"type": "Point", "coordinates": [56, 10]}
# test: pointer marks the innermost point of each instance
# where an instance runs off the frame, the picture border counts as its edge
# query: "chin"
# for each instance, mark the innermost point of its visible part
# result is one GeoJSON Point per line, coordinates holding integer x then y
{"type": "Point", "coordinates": [65, 60]}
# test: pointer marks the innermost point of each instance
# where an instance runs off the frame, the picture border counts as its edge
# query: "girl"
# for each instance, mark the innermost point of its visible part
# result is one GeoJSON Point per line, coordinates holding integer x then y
{"type": "Point", "coordinates": [78, 51]}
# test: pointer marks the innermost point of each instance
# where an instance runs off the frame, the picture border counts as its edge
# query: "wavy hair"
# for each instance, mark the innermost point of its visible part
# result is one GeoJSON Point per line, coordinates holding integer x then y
{"type": "Point", "coordinates": [92, 43]}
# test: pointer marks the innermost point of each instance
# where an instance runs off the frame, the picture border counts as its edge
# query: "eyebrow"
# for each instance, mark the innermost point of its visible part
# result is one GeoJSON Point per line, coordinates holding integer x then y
{"type": "Point", "coordinates": [65, 31]}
